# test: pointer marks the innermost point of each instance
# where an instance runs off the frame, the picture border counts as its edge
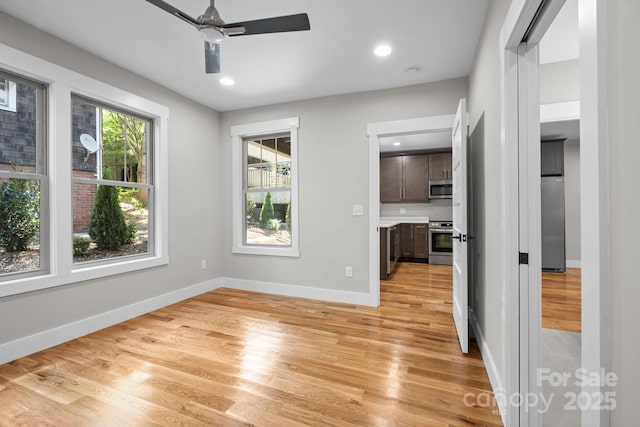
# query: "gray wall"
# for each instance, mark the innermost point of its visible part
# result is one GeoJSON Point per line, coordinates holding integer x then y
{"type": "Point", "coordinates": [623, 32]}
{"type": "Point", "coordinates": [484, 128]}
{"type": "Point", "coordinates": [333, 163]}
{"type": "Point", "coordinates": [194, 200]}
{"type": "Point", "coordinates": [560, 81]}
{"type": "Point", "coordinates": [572, 199]}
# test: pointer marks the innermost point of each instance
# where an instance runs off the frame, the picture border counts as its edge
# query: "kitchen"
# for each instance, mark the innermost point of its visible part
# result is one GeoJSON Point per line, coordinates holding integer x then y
{"type": "Point", "coordinates": [415, 200]}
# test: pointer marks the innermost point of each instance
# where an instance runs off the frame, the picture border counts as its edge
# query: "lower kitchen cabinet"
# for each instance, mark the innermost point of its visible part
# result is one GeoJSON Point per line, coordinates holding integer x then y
{"type": "Point", "coordinates": [420, 243]}
{"type": "Point", "coordinates": [414, 241]}
{"type": "Point", "coordinates": [389, 250]}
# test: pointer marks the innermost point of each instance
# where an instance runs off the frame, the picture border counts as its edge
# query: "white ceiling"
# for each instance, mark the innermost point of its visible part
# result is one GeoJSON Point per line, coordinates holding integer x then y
{"type": "Point", "coordinates": [569, 129]}
{"type": "Point", "coordinates": [437, 37]}
{"type": "Point", "coordinates": [421, 141]}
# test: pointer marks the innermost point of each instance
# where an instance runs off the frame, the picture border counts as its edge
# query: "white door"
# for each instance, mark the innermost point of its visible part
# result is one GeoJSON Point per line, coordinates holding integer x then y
{"type": "Point", "coordinates": [459, 182]}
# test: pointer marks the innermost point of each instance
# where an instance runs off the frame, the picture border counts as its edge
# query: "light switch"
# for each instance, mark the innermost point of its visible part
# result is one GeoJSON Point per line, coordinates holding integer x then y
{"type": "Point", "coordinates": [358, 210]}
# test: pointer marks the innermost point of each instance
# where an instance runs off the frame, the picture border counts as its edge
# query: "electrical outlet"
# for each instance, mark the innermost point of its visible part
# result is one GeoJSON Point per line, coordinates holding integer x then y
{"type": "Point", "coordinates": [358, 210]}
{"type": "Point", "coordinates": [403, 211]}
{"type": "Point", "coordinates": [203, 264]}
{"type": "Point", "coordinates": [348, 271]}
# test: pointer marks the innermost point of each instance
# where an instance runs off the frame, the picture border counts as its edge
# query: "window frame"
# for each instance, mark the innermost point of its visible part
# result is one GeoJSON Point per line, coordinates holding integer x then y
{"type": "Point", "coordinates": [40, 172]}
{"type": "Point", "coordinates": [99, 180]}
{"type": "Point", "coordinates": [261, 130]}
{"type": "Point", "coordinates": [62, 83]}
{"type": "Point", "coordinates": [10, 101]}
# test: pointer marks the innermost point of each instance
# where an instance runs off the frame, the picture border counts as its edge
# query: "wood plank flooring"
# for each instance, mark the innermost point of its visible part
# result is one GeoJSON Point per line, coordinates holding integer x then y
{"type": "Point", "coordinates": [561, 300]}
{"type": "Point", "coordinates": [235, 358]}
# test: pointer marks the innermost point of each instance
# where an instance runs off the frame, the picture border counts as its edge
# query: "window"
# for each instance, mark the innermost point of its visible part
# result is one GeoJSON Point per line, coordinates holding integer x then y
{"type": "Point", "coordinates": [110, 161]}
{"type": "Point", "coordinates": [8, 89]}
{"type": "Point", "coordinates": [23, 181]}
{"type": "Point", "coordinates": [265, 188]}
{"type": "Point", "coordinates": [57, 151]}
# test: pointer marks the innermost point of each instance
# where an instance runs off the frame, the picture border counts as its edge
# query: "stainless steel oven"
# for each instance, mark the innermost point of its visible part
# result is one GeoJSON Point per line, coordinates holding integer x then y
{"type": "Point", "coordinates": [440, 242]}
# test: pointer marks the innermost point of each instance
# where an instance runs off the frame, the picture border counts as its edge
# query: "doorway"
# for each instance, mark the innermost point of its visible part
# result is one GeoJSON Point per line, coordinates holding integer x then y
{"type": "Point", "coordinates": [377, 132]}
{"type": "Point", "coordinates": [526, 23]}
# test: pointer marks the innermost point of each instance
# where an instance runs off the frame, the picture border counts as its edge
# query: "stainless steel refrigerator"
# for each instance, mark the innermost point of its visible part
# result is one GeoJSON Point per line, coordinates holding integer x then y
{"type": "Point", "coordinates": [553, 237]}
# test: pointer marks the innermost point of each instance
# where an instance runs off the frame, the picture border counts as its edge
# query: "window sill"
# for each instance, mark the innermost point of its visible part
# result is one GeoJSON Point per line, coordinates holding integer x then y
{"type": "Point", "coordinates": [88, 272]}
{"type": "Point", "coordinates": [270, 251]}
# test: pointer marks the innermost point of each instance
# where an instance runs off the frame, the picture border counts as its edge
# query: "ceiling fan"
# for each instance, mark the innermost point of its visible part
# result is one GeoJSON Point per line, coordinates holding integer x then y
{"type": "Point", "coordinates": [213, 29]}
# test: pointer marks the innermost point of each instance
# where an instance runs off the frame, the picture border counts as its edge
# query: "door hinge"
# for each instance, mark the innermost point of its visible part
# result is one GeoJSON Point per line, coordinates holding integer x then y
{"type": "Point", "coordinates": [524, 258]}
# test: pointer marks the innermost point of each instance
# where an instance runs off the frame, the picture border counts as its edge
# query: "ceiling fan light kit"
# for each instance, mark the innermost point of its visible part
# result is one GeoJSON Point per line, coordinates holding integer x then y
{"type": "Point", "coordinates": [211, 34]}
{"type": "Point", "coordinates": [213, 29]}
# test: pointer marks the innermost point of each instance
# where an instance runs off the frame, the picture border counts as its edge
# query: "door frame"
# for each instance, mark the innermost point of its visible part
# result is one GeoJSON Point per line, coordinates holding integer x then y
{"type": "Point", "coordinates": [520, 95]}
{"type": "Point", "coordinates": [375, 131]}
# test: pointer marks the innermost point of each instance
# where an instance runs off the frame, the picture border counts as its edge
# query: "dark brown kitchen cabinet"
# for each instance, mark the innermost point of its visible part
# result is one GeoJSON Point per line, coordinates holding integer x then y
{"type": "Point", "coordinates": [414, 241]}
{"type": "Point", "coordinates": [406, 232]}
{"type": "Point", "coordinates": [391, 179]}
{"type": "Point", "coordinates": [404, 178]}
{"type": "Point", "coordinates": [416, 177]}
{"type": "Point", "coordinates": [420, 244]}
{"type": "Point", "coordinates": [440, 166]}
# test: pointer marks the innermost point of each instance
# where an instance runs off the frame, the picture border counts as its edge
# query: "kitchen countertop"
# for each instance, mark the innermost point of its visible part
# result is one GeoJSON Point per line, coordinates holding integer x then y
{"type": "Point", "coordinates": [392, 221]}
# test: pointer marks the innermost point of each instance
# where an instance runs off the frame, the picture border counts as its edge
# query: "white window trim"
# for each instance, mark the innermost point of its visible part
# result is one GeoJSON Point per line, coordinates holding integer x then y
{"type": "Point", "coordinates": [238, 135]}
{"type": "Point", "coordinates": [10, 104]}
{"type": "Point", "coordinates": [62, 83]}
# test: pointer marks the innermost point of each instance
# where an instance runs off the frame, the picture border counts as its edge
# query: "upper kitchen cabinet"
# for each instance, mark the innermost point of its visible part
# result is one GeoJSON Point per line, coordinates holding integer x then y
{"type": "Point", "coordinates": [391, 179]}
{"type": "Point", "coordinates": [439, 166]}
{"type": "Point", "coordinates": [552, 158]}
{"type": "Point", "coordinates": [404, 178]}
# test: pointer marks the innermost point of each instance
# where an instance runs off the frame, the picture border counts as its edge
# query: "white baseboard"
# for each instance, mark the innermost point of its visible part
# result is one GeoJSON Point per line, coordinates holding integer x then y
{"type": "Point", "coordinates": [572, 263]}
{"type": "Point", "coordinates": [347, 297]}
{"type": "Point", "coordinates": [492, 371]}
{"type": "Point", "coordinates": [42, 340]}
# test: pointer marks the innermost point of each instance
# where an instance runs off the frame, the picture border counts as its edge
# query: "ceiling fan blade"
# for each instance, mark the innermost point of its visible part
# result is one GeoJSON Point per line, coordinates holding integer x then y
{"type": "Point", "coordinates": [280, 24]}
{"type": "Point", "coordinates": [174, 11]}
{"type": "Point", "coordinates": [211, 57]}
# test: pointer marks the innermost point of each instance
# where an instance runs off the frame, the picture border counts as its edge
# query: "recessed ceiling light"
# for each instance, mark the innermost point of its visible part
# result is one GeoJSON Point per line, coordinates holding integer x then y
{"type": "Point", "coordinates": [382, 50]}
{"type": "Point", "coordinates": [396, 143]}
{"type": "Point", "coordinates": [227, 81]}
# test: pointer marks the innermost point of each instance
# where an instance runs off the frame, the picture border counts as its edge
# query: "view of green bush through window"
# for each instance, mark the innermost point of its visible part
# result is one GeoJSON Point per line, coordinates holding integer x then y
{"type": "Point", "coordinates": [111, 186]}
{"type": "Point", "coordinates": [268, 191]}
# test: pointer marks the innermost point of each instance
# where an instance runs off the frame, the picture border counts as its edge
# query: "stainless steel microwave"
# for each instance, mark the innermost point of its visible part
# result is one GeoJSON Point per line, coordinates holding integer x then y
{"type": "Point", "coordinates": [440, 189]}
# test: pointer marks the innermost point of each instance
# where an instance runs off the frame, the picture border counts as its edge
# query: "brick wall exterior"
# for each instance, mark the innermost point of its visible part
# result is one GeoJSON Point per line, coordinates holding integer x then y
{"type": "Point", "coordinates": [83, 197]}
{"type": "Point", "coordinates": [83, 121]}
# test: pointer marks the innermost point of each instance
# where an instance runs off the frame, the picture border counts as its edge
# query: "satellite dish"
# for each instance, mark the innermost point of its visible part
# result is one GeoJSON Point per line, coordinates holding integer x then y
{"type": "Point", "coordinates": [90, 144]}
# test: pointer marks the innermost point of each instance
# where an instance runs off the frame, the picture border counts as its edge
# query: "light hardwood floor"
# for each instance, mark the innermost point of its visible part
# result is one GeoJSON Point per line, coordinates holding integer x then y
{"type": "Point", "coordinates": [232, 358]}
{"type": "Point", "coordinates": [561, 300]}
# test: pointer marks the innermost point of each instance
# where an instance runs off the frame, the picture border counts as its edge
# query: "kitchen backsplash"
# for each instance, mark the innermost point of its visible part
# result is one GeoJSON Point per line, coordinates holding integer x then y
{"type": "Point", "coordinates": [435, 210]}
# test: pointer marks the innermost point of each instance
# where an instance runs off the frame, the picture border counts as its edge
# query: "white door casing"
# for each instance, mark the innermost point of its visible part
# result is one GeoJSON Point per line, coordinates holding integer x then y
{"type": "Point", "coordinates": [460, 261]}
{"type": "Point", "coordinates": [375, 131]}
